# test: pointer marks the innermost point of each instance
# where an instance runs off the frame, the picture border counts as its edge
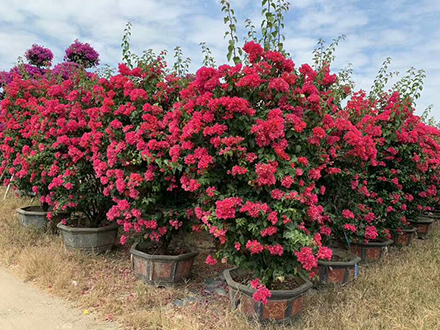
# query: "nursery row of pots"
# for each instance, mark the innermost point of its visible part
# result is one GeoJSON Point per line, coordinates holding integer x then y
{"type": "Point", "coordinates": [167, 270]}
{"type": "Point", "coordinates": [282, 166]}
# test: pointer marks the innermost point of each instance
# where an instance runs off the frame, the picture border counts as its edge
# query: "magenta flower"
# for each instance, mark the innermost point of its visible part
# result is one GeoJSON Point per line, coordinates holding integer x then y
{"type": "Point", "coordinates": [39, 56]}
{"type": "Point", "coordinates": [65, 69]}
{"type": "Point", "coordinates": [82, 54]}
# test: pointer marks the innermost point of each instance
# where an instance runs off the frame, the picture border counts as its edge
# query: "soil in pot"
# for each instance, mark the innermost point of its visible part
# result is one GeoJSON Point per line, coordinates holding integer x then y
{"type": "Point", "coordinates": [285, 303]}
{"type": "Point", "coordinates": [156, 249]}
{"type": "Point", "coordinates": [162, 270]}
{"type": "Point", "coordinates": [372, 251]}
{"type": "Point", "coordinates": [289, 283]}
{"type": "Point", "coordinates": [342, 269]}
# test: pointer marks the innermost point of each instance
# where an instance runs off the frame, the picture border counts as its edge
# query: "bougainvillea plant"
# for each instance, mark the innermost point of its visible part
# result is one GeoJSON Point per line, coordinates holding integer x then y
{"type": "Point", "coordinates": [136, 129]}
{"type": "Point", "coordinates": [18, 111]}
{"type": "Point", "coordinates": [46, 145]}
{"type": "Point", "coordinates": [39, 56]}
{"type": "Point", "coordinates": [82, 54]}
{"type": "Point", "coordinates": [397, 184]}
{"type": "Point", "coordinates": [255, 144]}
{"type": "Point", "coordinates": [65, 70]}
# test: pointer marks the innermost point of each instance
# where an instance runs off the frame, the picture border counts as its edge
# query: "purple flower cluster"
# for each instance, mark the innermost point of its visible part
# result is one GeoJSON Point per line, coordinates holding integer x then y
{"type": "Point", "coordinates": [26, 69]}
{"type": "Point", "coordinates": [5, 78]}
{"type": "Point", "coordinates": [82, 54]}
{"type": "Point", "coordinates": [39, 56]}
{"type": "Point", "coordinates": [65, 69]}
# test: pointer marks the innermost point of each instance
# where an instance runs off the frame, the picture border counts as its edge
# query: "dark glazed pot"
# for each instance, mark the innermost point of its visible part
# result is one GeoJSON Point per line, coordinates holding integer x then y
{"type": "Point", "coordinates": [34, 216]}
{"type": "Point", "coordinates": [338, 272]}
{"type": "Point", "coordinates": [161, 270]}
{"type": "Point", "coordinates": [372, 251]}
{"type": "Point", "coordinates": [405, 237]}
{"type": "Point", "coordinates": [282, 305]}
{"type": "Point", "coordinates": [91, 240]}
{"type": "Point", "coordinates": [423, 225]}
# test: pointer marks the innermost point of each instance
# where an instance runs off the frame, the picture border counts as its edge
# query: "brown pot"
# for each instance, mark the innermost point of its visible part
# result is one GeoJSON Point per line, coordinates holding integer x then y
{"type": "Point", "coordinates": [423, 225]}
{"type": "Point", "coordinates": [405, 237]}
{"type": "Point", "coordinates": [161, 270]}
{"type": "Point", "coordinates": [372, 251]}
{"type": "Point", "coordinates": [338, 272]}
{"type": "Point", "coordinates": [282, 305]}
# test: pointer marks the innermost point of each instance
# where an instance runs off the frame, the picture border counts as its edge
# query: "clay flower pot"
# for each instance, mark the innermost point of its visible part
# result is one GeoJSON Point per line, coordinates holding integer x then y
{"type": "Point", "coordinates": [282, 305]}
{"type": "Point", "coordinates": [89, 240]}
{"type": "Point", "coordinates": [405, 237]}
{"type": "Point", "coordinates": [161, 270]}
{"type": "Point", "coordinates": [423, 225]}
{"type": "Point", "coordinates": [341, 271]}
{"type": "Point", "coordinates": [372, 251]}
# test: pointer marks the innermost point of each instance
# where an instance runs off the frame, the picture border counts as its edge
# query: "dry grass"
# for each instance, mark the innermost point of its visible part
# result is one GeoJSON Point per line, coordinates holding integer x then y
{"type": "Point", "coordinates": [402, 292]}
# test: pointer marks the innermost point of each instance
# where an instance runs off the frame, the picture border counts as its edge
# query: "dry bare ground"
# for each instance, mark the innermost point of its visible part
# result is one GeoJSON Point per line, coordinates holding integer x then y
{"type": "Point", "coordinates": [402, 292]}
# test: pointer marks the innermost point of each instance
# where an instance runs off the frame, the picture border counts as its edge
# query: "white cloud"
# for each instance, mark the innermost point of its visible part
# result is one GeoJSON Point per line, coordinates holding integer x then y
{"type": "Point", "coordinates": [406, 30]}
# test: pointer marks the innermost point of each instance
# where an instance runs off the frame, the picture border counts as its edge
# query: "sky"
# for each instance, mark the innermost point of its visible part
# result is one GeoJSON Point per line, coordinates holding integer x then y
{"type": "Point", "coordinates": [408, 31]}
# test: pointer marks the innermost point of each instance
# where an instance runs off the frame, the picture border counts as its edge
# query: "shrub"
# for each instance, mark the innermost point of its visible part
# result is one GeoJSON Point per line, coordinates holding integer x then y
{"type": "Point", "coordinates": [82, 54]}
{"type": "Point", "coordinates": [255, 143]}
{"type": "Point", "coordinates": [39, 56]}
{"type": "Point", "coordinates": [136, 129]}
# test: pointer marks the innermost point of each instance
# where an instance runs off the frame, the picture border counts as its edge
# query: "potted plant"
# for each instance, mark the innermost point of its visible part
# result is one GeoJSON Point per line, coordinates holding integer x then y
{"type": "Point", "coordinates": [56, 160]}
{"type": "Point", "coordinates": [141, 170]}
{"type": "Point", "coordinates": [252, 139]}
{"type": "Point", "coordinates": [20, 165]}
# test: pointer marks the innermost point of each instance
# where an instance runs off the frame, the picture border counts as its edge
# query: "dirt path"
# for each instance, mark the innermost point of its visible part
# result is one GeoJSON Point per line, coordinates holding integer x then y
{"type": "Point", "coordinates": [24, 308]}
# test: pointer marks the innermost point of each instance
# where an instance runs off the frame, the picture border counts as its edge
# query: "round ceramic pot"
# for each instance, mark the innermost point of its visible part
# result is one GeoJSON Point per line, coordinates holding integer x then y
{"type": "Point", "coordinates": [161, 270]}
{"type": "Point", "coordinates": [405, 237]}
{"type": "Point", "coordinates": [90, 240]}
{"type": "Point", "coordinates": [282, 305]}
{"type": "Point", "coordinates": [372, 251]}
{"type": "Point", "coordinates": [423, 225]}
{"type": "Point", "coordinates": [338, 272]}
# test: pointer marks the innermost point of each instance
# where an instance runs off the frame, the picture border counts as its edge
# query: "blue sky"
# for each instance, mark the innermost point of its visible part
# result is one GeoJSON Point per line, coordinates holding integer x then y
{"type": "Point", "coordinates": [407, 31]}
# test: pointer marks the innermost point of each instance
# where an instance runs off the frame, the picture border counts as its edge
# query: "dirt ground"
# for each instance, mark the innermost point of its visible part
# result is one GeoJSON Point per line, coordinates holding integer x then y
{"type": "Point", "coordinates": [22, 307]}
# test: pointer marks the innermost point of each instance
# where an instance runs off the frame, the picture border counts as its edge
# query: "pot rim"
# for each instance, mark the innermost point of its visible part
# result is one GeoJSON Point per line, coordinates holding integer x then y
{"type": "Point", "coordinates": [276, 294]}
{"type": "Point", "coordinates": [26, 210]}
{"type": "Point", "coordinates": [422, 220]}
{"type": "Point", "coordinates": [382, 242]}
{"type": "Point", "coordinates": [352, 262]}
{"type": "Point", "coordinates": [407, 230]}
{"type": "Point", "coordinates": [110, 227]}
{"type": "Point", "coordinates": [158, 257]}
